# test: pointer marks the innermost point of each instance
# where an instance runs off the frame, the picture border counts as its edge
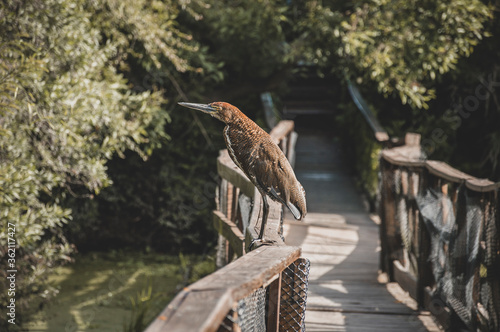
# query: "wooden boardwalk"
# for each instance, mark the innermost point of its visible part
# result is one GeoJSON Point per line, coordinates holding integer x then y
{"type": "Point", "coordinates": [346, 292]}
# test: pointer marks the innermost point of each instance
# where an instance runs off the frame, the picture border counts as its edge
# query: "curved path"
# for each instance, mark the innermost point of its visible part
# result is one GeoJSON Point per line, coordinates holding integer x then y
{"type": "Point", "coordinates": [346, 291]}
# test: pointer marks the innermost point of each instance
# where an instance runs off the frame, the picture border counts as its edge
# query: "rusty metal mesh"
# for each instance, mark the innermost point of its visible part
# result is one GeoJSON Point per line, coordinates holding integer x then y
{"type": "Point", "coordinates": [250, 313]}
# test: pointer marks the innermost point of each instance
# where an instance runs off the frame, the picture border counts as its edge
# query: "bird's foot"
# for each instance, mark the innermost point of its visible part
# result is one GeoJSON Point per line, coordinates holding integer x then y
{"type": "Point", "coordinates": [256, 243]}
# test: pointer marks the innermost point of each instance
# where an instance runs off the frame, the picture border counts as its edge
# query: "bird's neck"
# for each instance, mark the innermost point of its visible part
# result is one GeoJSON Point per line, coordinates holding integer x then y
{"type": "Point", "coordinates": [238, 118]}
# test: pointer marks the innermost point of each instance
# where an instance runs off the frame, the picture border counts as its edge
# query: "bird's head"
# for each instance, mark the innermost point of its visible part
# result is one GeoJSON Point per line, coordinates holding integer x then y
{"type": "Point", "coordinates": [225, 112]}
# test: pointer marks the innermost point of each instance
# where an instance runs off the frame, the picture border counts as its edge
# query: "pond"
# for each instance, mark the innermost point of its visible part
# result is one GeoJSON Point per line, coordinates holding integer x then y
{"type": "Point", "coordinates": [115, 291]}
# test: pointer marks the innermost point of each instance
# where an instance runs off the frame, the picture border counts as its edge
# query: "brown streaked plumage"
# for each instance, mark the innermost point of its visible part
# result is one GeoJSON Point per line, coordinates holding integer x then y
{"type": "Point", "coordinates": [256, 154]}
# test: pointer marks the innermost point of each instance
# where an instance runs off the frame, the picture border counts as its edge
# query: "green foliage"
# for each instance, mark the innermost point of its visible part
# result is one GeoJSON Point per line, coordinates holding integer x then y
{"type": "Point", "coordinates": [66, 109]}
{"type": "Point", "coordinates": [247, 36]}
{"type": "Point", "coordinates": [312, 32]}
{"type": "Point", "coordinates": [95, 290]}
{"type": "Point", "coordinates": [167, 203]}
{"type": "Point", "coordinates": [472, 107]}
{"type": "Point", "coordinates": [140, 307]}
{"type": "Point", "coordinates": [257, 44]}
{"type": "Point", "coordinates": [434, 55]}
{"type": "Point", "coordinates": [404, 46]}
{"type": "Point", "coordinates": [461, 123]}
{"type": "Point", "coordinates": [364, 151]}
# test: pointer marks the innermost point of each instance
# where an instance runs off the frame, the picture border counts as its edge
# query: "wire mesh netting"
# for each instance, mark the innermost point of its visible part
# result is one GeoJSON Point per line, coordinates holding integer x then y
{"type": "Point", "coordinates": [448, 239]}
{"type": "Point", "coordinates": [250, 313]}
{"type": "Point", "coordinates": [464, 279]}
{"type": "Point", "coordinates": [293, 299]}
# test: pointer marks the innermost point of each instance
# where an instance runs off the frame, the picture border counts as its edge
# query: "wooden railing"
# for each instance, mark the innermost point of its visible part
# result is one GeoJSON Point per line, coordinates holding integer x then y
{"type": "Point", "coordinates": [440, 237]}
{"type": "Point", "coordinates": [379, 132]}
{"type": "Point", "coordinates": [439, 232]}
{"type": "Point", "coordinates": [266, 286]}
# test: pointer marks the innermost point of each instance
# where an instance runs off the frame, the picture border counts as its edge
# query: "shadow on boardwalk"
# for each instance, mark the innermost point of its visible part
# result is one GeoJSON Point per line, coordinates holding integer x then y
{"type": "Point", "coordinates": [346, 292]}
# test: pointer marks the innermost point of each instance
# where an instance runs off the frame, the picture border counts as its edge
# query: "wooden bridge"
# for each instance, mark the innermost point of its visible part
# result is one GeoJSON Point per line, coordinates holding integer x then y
{"type": "Point", "coordinates": [343, 269]}
{"type": "Point", "coordinates": [346, 292]}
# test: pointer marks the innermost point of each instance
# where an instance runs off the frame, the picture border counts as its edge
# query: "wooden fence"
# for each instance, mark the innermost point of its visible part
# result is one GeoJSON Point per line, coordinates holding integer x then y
{"type": "Point", "coordinates": [440, 237]}
{"type": "Point", "coordinates": [265, 288]}
{"type": "Point", "coordinates": [439, 233]}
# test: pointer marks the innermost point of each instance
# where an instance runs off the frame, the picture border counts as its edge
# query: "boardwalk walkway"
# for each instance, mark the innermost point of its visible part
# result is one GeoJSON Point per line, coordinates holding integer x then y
{"type": "Point", "coordinates": [346, 293]}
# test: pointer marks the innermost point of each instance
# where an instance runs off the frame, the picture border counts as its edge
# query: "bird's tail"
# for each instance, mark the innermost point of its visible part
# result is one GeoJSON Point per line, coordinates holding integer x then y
{"type": "Point", "coordinates": [296, 213]}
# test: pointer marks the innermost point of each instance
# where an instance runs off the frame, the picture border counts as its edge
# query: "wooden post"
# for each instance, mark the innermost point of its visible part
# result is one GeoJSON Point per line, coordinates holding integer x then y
{"type": "Point", "coordinates": [273, 313]}
{"type": "Point", "coordinates": [387, 221]}
{"type": "Point", "coordinates": [229, 201]}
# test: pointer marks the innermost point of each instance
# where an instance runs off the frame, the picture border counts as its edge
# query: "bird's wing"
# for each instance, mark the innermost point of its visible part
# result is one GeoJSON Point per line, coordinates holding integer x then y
{"type": "Point", "coordinates": [276, 195]}
{"type": "Point", "coordinates": [264, 163]}
{"type": "Point", "coordinates": [272, 172]}
{"type": "Point", "coordinates": [276, 178]}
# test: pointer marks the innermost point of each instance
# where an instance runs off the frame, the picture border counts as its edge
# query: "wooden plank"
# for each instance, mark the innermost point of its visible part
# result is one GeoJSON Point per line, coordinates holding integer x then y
{"type": "Point", "coordinates": [366, 322]}
{"type": "Point", "coordinates": [252, 230]}
{"type": "Point", "coordinates": [408, 156]}
{"type": "Point", "coordinates": [389, 240]}
{"type": "Point", "coordinates": [345, 291]}
{"type": "Point", "coordinates": [412, 139]}
{"type": "Point", "coordinates": [230, 231]}
{"type": "Point", "coordinates": [189, 315]}
{"type": "Point", "coordinates": [482, 185]}
{"type": "Point", "coordinates": [282, 129]}
{"type": "Point", "coordinates": [221, 256]}
{"type": "Point", "coordinates": [230, 206]}
{"type": "Point", "coordinates": [170, 309]}
{"type": "Point", "coordinates": [405, 279]}
{"type": "Point", "coordinates": [273, 225]}
{"type": "Point", "coordinates": [228, 170]}
{"type": "Point", "coordinates": [381, 136]}
{"type": "Point", "coordinates": [272, 234]}
{"type": "Point", "coordinates": [203, 305]}
{"type": "Point", "coordinates": [445, 171]}
{"type": "Point", "coordinates": [239, 280]}
{"type": "Point", "coordinates": [273, 317]}
{"type": "Point", "coordinates": [245, 205]}
{"type": "Point", "coordinates": [291, 148]}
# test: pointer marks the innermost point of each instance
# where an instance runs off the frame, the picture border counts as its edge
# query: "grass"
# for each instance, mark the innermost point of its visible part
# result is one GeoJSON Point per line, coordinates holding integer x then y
{"type": "Point", "coordinates": [115, 291]}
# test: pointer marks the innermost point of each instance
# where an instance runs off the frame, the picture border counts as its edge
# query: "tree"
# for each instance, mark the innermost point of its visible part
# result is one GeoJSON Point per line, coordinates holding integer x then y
{"type": "Point", "coordinates": [430, 55]}
{"type": "Point", "coordinates": [67, 109]}
{"type": "Point", "coordinates": [405, 46]}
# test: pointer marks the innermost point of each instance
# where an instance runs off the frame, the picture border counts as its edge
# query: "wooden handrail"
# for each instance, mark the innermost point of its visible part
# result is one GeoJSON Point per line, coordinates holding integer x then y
{"type": "Point", "coordinates": [378, 131]}
{"type": "Point", "coordinates": [282, 130]}
{"type": "Point", "coordinates": [203, 305]}
{"type": "Point", "coordinates": [429, 209]}
{"type": "Point", "coordinates": [407, 157]}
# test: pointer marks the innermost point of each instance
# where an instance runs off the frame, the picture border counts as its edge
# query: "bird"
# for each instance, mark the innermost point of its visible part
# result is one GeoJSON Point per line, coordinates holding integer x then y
{"type": "Point", "coordinates": [260, 158]}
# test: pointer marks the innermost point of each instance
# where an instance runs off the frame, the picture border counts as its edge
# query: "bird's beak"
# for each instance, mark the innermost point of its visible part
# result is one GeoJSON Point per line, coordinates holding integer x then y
{"type": "Point", "coordinates": [200, 107]}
